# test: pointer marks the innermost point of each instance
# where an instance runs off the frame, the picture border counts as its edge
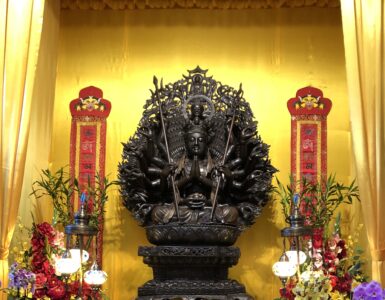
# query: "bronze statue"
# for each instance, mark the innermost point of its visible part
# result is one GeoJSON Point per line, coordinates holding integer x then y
{"type": "Point", "coordinates": [194, 174]}
{"type": "Point", "coordinates": [196, 157]}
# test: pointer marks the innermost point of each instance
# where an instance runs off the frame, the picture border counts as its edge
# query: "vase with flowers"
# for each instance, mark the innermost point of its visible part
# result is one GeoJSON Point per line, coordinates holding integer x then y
{"type": "Point", "coordinates": [334, 264]}
{"type": "Point", "coordinates": [34, 275]}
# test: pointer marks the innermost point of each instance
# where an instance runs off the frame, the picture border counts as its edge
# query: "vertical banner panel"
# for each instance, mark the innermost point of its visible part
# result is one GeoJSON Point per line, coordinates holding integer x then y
{"type": "Point", "coordinates": [88, 147]}
{"type": "Point", "coordinates": [309, 111]}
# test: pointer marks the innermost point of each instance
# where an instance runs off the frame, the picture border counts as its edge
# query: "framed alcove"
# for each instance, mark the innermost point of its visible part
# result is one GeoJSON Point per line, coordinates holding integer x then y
{"type": "Point", "coordinates": [272, 50]}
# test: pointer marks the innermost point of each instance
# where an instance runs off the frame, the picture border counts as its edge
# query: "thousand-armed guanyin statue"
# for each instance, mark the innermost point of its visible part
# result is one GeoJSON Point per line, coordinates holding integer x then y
{"type": "Point", "coordinates": [195, 173]}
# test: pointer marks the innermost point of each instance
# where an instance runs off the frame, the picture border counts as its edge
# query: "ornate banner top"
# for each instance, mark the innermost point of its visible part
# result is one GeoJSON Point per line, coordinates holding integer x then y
{"type": "Point", "coordinates": [90, 103]}
{"type": "Point", "coordinates": [309, 101]}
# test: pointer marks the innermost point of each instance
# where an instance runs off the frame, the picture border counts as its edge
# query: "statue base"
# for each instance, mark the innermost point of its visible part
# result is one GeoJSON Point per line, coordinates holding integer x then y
{"type": "Point", "coordinates": [191, 273]}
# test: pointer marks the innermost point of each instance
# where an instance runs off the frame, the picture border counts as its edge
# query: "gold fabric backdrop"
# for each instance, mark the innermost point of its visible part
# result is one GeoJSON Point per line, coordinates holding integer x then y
{"type": "Point", "coordinates": [272, 52]}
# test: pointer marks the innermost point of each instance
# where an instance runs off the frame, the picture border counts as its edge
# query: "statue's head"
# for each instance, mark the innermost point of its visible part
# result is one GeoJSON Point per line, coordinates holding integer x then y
{"type": "Point", "coordinates": [197, 112]}
{"type": "Point", "coordinates": [196, 140]}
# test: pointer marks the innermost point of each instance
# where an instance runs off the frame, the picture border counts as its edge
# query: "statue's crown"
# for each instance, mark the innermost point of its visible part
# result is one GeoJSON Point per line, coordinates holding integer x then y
{"type": "Point", "coordinates": [200, 84]}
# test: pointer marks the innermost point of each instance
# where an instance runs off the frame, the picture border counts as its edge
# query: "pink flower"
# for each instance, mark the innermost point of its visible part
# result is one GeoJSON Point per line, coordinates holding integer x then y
{"type": "Point", "coordinates": [59, 239]}
{"type": "Point", "coordinates": [318, 261]}
{"type": "Point", "coordinates": [332, 244]}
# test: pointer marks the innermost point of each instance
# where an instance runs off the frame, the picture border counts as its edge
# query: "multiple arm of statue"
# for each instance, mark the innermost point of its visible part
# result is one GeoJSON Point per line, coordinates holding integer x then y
{"type": "Point", "coordinates": [217, 170]}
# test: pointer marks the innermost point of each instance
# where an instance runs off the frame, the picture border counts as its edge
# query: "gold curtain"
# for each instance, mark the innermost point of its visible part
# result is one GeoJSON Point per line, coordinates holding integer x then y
{"type": "Point", "coordinates": [363, 27]}
{"type": "Point", "coordinates": [41, 121]}
{"type": "Point", "coordinates": [20, 31]}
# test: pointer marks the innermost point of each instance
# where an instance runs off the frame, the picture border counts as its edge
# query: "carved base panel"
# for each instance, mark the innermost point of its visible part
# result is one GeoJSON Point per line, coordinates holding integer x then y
{"type": "Point", "coordinates": [191, 273]}
{"type": "Point", "coordinates": [197, 297]}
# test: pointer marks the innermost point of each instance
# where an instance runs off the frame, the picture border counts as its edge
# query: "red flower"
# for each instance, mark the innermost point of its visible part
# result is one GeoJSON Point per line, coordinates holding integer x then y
{"type": "Point", "coordinates": [48, 269]}
{"type": "Point", "coordinates": [54, 281]}
{"type": "Point", "coordinates": [74, 287]}
{"type": "Point", "coordinates": [344, 284]}
{"type": "Point", "coordinates": [86, 289]}
{"type": "Point", "coordinates": [40, 280]}
{"type": "Point", "coordinates": [58, 291]}
{"type": "Point", "coordinates": [39, 293]}
{"type": "Point", "coordinates": [38, 259]}
{"type": "Point", "coordinates": [333, 280]}
{"type": "Point", "coordinates": [317, 238]}
{"type": "Point", "coordinates": [37, 243]}
{"type": "Point", "coordinates": [341, 244]}
{"type": "Point", "coordinates": [286, 294]}
{"type": "Point", "coordinates": [330, 256]}
{"type": "Point", "coordinates": [341, 254]}
{"type": "Point", "coordinates": [47, 230]}
{"type": "Point", "coordinates": [341, 249]}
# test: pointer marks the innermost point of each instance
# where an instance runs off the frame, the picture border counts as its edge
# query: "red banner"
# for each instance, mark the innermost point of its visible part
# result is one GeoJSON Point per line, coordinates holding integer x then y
{"type": "Point", "coordinates": [309, 110]}
{"type": "Point", "coordinates": [88, 145]}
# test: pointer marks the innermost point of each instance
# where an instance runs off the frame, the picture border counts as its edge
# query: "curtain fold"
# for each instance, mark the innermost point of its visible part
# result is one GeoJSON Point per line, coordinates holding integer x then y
{"type": "Point", "coordinates": [41, 123]}
{"type": "Point", "coordinates": [364, 34]}
{"type": "Point", "coordinates": [20, 31]}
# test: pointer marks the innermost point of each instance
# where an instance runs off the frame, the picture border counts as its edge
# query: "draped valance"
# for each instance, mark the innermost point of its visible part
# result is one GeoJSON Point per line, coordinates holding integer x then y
{"type": "Point", "coordinates": [199, 4]}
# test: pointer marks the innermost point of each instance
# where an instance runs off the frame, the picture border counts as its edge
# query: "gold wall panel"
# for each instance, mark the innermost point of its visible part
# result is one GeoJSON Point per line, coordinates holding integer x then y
{"type": "Point", "coordinates": [273, 52]}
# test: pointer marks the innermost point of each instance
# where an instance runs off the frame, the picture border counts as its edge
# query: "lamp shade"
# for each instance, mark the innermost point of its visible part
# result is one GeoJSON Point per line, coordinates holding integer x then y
{"type": "Point", "coordinates": [75, 254]}
{"type": "Point", "coordinates": [94, 276]}
{"type": "Point", "coordinates": [66, 265]}
{"type": "Point", "coordinates": [293, 256]}
{"type": "Point", "coordinates": [284, 269]}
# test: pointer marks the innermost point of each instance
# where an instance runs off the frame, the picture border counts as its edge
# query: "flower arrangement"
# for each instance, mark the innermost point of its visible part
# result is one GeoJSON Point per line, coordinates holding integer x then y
{"type": "Point", "coordinates": [21, 282]}
{"type": "Point", "coordinates": [313, 285]}
{"type": "Point", "coordinates": [334, 264]}
{"type": "Point", "coordinates": [33, 274]}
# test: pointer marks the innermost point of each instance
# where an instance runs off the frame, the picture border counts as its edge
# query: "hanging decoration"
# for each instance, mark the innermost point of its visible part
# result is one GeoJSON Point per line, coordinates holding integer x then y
{"type": "Point", "coordinates": [309, 110]}
{"type": "Point", "coordinates": [88, 146]}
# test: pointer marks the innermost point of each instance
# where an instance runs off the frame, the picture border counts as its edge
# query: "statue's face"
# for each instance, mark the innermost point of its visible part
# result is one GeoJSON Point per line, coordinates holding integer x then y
{"type": "Point", "coordinates": [196, 143]}
{"type": "Point", "coordinates": [197, 110]}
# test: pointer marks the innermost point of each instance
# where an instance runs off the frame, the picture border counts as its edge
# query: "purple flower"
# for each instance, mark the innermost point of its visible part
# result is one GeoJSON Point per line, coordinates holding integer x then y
{"type": "Point", "coordinates": [369, 291]}
{"type": "Point", "coordinates": [20, 278]}
{"type": "Point", "coordinates": [374, 290]}
{"type": "Point", "coordinates": [359, 292]}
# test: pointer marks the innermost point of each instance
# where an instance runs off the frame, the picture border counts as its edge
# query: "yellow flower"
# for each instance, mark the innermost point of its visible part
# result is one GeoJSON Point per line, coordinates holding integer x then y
{"type": "Point", "coordinates": [355, 283]}
{"type": "Point", "coordinates": [25, 245]}
{"type": "Point", "coordinates": [337, 296]}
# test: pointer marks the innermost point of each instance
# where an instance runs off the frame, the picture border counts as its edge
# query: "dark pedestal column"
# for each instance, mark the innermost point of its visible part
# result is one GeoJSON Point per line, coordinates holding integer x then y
{"type": "Point", "coordinates": [191, 273]}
